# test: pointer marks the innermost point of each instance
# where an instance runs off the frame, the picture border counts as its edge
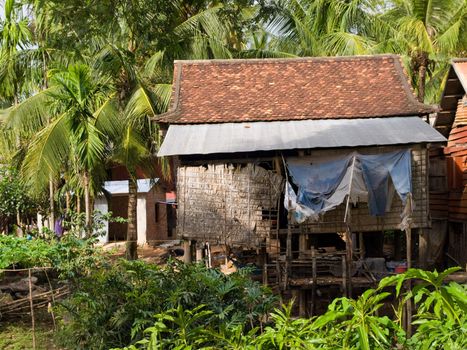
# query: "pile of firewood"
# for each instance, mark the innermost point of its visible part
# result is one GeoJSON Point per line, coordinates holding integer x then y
{"type": "Point", "coordinates": [17, 295]}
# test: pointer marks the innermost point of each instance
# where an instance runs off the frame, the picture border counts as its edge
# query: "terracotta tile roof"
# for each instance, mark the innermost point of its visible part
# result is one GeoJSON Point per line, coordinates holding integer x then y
{"type": "Point", "coordinates": [217, 91]}
{"type": "Point", "coordinates": [460, 66]}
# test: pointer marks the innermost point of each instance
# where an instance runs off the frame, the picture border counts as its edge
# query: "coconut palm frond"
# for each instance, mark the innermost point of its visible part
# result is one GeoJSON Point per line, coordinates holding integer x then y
{"type": "Point", "coordinates": [30, 115]}
{"type": "Point", "coordinates": [344, 43]}
{"type": "Point", "coordinates": [107, 118]}
{"type": "Point", "coordinates": [46, 153]}
{"type": "Point", "coordinates": [131, 150]}
{"type": "Point", "coordinates": [207, 18]}
{"type": "Point", "coordinates": [90, 146]}
{"type": "Point", "coordinates": [154, 63]}
{"type": "Point", "coordinates": [146, 103]}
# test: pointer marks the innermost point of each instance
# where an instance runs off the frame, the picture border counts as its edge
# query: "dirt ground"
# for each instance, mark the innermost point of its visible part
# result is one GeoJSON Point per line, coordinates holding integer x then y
{"type": "Point", "coordinates": [17, 334]}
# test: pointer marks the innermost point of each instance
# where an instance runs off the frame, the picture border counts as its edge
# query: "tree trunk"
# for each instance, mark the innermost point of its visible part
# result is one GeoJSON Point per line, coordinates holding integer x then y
{"type": "Point", "coordinates": [87, 205]}
{"type": "Point", "coordinates": [67, 201]}
{"type": "Point", "coordinates": [132, 234]}
{"type": "Point", "coordinates": [78, 204]}
{"type": "Point", "coordinates": [51, 204]}
{"type": "Point", "coordinates": [423, 63]}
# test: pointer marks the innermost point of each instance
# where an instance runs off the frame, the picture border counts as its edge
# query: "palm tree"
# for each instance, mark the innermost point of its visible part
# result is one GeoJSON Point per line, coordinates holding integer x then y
{"type": "Point", "coordinates": [429, 32]}
{"type": "Point", "coordinates": [325, 27]}
{"type": "Point", "coordinates": [15, 36]}
{"type": "Point", "coordinates": [82, 122]}
{"type": "Point", "coordinates": [142, 81]}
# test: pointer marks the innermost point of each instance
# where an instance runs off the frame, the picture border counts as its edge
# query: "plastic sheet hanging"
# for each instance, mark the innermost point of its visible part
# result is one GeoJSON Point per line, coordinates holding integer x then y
{"type": "Point", "coordinates": [323, 183]}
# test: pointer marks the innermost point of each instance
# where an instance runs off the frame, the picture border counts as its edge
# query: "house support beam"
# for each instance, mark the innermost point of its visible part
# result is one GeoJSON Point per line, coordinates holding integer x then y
{"type": "Point", "coordinates": [187, 258]}
{"type": "Point", "coordinates": [423, 244]}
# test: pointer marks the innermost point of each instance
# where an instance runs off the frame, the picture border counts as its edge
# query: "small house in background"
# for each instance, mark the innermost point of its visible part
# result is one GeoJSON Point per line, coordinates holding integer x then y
{"type": "Point", "coordinates": [307, 162]}
{"type": "Point", "coordinates": [448, 172]}
{"type": "Point", "coordinates": [155, 211]}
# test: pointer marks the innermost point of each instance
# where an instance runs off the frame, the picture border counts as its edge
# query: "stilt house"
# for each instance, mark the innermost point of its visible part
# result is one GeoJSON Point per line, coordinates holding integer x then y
{"type": "Point", "coordinates": [305, 160]}
{"type": "Point", "coordinates": [448, 173]}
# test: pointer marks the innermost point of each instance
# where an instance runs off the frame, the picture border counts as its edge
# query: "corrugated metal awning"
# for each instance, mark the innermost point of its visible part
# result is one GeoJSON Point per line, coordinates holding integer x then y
{"type": "Point", "coordinates": [122, 186]}
{"type": "Point", "coordinates": [297, 134]}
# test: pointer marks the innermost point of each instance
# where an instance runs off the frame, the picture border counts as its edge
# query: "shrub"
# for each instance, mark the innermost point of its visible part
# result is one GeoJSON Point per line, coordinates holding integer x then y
{"type": "Point", "coordinates": [440, 322]}
{"type": "Point", "coordinates": [112, 307]}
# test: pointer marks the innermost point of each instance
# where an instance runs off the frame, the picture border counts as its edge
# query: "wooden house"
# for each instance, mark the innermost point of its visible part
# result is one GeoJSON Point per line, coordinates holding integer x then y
{"type": "Point", "coordinates": [256, 137]}
{"type": "Point", "coordinates": [448, 174]}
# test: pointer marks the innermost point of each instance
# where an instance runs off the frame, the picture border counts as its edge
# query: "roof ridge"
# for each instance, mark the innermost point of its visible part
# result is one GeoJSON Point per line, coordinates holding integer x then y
{"type": "Point", "coordinates": [286, 59]}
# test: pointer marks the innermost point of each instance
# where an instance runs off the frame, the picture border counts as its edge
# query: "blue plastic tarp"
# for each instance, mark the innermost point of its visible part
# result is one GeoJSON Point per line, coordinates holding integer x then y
{"type": "Point", "coordinates": [323, 184]}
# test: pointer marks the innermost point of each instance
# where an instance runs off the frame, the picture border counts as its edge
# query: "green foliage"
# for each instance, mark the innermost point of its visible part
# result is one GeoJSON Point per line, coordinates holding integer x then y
{"type": "Point", "coordinates": [112, 307]}
{"type": "Point", "coordinates": [13, 197]}
{"type": "Point", "coordinates": [348, 324]}
{"type": "Point", "coordinates": [441, 317]}
{"type": "Point", "coordinates": [71, 256]}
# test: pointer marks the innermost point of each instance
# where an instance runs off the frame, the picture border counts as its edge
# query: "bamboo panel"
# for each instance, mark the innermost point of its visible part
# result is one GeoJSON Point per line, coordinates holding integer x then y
{"type": "Point", "coordinates": [227, 204]}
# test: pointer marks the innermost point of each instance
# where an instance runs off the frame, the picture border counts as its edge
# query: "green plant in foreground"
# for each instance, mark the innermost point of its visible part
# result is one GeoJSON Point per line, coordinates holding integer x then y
{"type": "Point", "coordinates": [440, 322]}
{"type": "Point", "coordinates": [111, 307]}
{"type": "Point", "coordinates": [441, 309]}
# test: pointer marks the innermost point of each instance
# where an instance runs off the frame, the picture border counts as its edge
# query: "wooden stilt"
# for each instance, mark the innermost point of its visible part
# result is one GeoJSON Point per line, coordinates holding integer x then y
{"type": "Point", "coordinates": [361, 245]}
{"type": "Point", "coordinates": [423, 248]}
{"type": "Point", "coordinates": [315, 281]}
{"type": "Point", "coordinates": [31, 304]}
{"type": "Point", "coordinates": [408, 284]}
{"type": "Point", "coordinates": [302, 309]}
{"type": "Point", "coordinates": [265, 275]}
{"type": "Point", "coordinates": [199, 255]}
{"type": "Point", "coordinates": [344, 274]}
{"type": "Point", "coordinates": [348, 260]}
{"type": "Point", "coordinates": [288, 251]}
{"type": "Point", "coordinates": [186, 252]}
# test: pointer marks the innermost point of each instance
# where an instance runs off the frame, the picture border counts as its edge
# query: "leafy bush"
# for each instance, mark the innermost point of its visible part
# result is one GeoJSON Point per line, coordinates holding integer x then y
{"type": "Point", "coordinates": [71, 257]}
{"type": "Point", "coordinates": [441, 309]}
{"type": "Point", "coordinates": [112, 307]}
{"type": "Point", "coordinates": [440, 323]}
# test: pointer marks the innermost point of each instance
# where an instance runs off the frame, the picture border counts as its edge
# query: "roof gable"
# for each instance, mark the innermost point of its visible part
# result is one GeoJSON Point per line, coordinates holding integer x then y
{"type": "Point", "coordinates": [219, 91]}
{"type": "Point", "coordinates": [454, 90]}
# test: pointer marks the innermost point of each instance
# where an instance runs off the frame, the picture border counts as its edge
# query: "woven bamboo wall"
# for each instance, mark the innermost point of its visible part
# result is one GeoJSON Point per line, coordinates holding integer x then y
{"type": "Point", "coordinates": [234, 205]}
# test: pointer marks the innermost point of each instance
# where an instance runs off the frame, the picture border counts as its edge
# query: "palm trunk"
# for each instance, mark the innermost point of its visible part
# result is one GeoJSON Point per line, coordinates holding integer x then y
{"type": "Point", "coordinates": [78, 203]}
{"type": "Point", "coordinates": [51, 204]}
{"type": "Point", "coordinates": [132, 235]}
{"type": "Point", "coordinates": [67, 201]}
{"type": "Point", "coordinates": [87, 205]}
{"type": "Point", "coordinates": [422, 76]}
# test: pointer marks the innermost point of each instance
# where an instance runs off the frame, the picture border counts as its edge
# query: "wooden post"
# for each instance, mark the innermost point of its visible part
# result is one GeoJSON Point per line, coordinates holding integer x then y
{"type": "Point", "coordinates": [302, 312]}
{"type": "Point", "coordinates": [265, 275]}
{"type": "Point", "coordinates": [344, 274]}
{"type": "Point", "coordinates": [31, 304]}
{"type": "Point", "coordinates": [408, 233]}
{"type": "Point", "coordinates": [423, 248]}
{"type": "Point", "coordinates": [361, 245]}
{"type": "Point", "coordinates": [315, 280]}
{"type": "Point", "coordinates": [186, 252]}
{"type": "Point", "coordinates": [348, 236]}
{"type": "Point", "coordinates": [288, 250]}
{"type": "Point", "coordinates": [348, 260]}
{"type": "Point", "coordinates": [199, 255]}
{"type": "Point", "coordinates": [302, 239]}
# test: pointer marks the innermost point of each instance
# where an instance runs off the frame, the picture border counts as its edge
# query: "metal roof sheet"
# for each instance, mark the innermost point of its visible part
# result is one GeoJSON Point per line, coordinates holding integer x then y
{"type": "Point", "coordinates": [121, 186]}
{"type": "Point", "coordinates": [298, 134]}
